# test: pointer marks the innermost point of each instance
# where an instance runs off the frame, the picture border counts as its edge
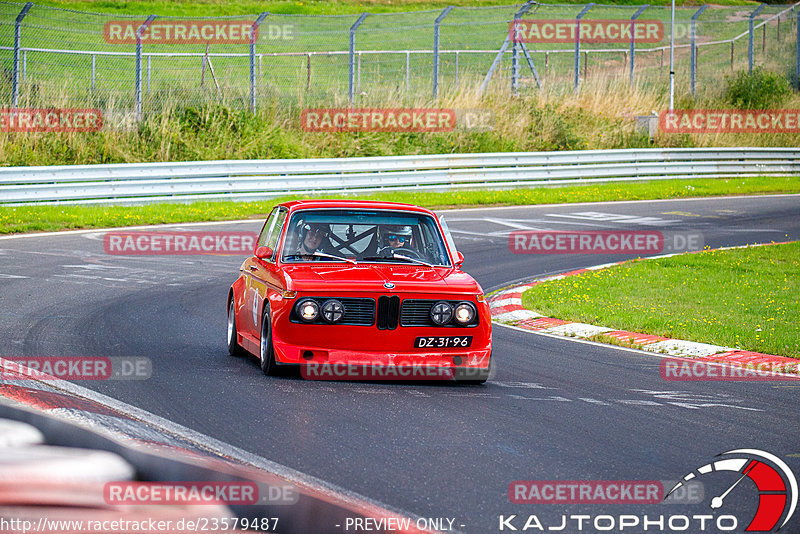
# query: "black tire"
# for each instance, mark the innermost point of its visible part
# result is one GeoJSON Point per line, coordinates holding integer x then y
{"type": "Point", "coordinates": [234, 349]}
{"type": "Point", "coordinates": [266, 351]}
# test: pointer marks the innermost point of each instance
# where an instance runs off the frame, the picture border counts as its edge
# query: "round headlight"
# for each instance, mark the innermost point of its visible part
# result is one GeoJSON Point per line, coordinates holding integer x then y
{"type": "Point", "coordinates": [307, 310]}
{"type": "Point", "coordinates": [441, 313]}
{"type": "Point", "coordinates": [465, 313]}
{"type": "Point", "coordinates": [332, 311]}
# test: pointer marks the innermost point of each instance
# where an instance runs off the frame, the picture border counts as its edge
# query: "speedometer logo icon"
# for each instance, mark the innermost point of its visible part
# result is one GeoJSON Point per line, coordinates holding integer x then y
{"type": "Point", "coordinates": [776, 484]}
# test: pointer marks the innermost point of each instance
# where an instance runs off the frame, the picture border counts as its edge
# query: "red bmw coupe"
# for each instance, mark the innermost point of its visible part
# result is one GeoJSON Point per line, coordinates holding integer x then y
{"type": "Point", "coordinates": [362, 284]}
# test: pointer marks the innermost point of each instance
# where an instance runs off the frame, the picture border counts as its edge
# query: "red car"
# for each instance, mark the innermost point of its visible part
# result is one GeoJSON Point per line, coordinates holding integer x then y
{"type": "Point", "coordinates": [374, 286]}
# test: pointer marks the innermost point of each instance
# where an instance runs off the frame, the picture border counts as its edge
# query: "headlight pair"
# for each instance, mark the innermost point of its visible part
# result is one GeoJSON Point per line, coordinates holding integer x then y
{"type": "Point", "coordinates": [309, 310]}
{"type": "Point", "coordinates": [462, 313]}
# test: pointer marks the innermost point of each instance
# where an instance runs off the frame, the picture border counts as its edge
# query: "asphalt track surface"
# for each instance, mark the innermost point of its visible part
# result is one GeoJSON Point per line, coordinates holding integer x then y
{"type": "Point", "coordinates": [555, 409]}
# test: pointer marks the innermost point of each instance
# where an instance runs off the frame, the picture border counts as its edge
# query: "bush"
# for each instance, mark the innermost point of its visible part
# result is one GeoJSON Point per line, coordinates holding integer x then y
{"type": "Point", "coordinates": [760, 90]}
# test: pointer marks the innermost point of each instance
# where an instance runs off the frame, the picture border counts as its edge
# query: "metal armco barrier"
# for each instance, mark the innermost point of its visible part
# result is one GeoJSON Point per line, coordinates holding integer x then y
{"type": "Point", "coordinates": [264, 179]}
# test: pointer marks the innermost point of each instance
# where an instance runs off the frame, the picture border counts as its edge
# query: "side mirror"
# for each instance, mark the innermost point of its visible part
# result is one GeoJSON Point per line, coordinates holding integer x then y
{"type": "Point", "coordinates": [264, 253]}
{"type": "Point", "coordinates": [459, 259]}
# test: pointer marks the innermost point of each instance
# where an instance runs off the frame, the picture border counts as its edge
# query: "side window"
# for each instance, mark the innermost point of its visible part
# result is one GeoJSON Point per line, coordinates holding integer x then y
{"type": "Point", "coordinates": [447, 236]}
{"type": "Point", "coordinates": [267, 229]}
{"type": "Point", "coordinates": [272, 242]}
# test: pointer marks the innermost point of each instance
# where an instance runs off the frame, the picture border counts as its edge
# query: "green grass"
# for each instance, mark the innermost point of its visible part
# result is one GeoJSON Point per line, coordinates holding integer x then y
{"type": "Point", "coordinates": [744, 298]}
{"type": "Point", "coordinates": [53, 218]}
{"type": "Point", "coordinates": [306, 7]}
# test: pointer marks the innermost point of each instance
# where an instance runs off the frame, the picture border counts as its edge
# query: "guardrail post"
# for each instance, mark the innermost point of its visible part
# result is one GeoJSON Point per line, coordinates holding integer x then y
{"type": "Point", "coordinates": [693, 59]}
{"type": "Point", "coordinates": [253, 32]}
{"type": "Point", "coordinates": [353, 29]}
{"type": "Point", "coordinates": [515, 46]}
{"type": "Point", "coordinates": [436, 23]}
{"type": "Point", "coordinates": [143, 27]}
{"type": "Point", "coordinates": [17, 39]}
{"type": "Point", "coordinates": [577, 63]}
{"type": "Point", "coordinates": [753, 15]}
{"type": "Point", "coordinates": [633, 38]}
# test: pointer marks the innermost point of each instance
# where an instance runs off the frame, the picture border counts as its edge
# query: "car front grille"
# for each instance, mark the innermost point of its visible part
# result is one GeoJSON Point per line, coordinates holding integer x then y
{"type": "Point", "coordinates": [388, 312]}
{"type": "Point", "coordinates": [359, 312]}
{"type": "Point", "coordinates": [417, 312]}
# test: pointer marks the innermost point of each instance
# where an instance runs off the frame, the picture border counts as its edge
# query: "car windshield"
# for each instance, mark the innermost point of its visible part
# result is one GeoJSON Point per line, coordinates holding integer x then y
{"type": "Point", "coordinates": [364, 236]}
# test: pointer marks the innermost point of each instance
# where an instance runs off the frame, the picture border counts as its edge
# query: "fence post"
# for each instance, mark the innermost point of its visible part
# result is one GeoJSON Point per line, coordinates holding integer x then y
{"type": "Point", "coordinates": [143, 27]}
{"type": "Point", "coordinates": [633, 37]}
{"type": "Point", "coordinates": [515, 48]}
{"type": "Point", "coordinates": [499, 57]}
{"type": "Point", "coordinates": [353, 29]}
{"type": "Point", "coordinates": [693, 59]}
{"type": "Point", "coordinates": [17, 39]}
{"type": "Point", "coordinates": [94, 71]}
{"type": "Point", "coordinates": [24, 66]}
{"type": "Point", "coordinates": [753, 15]}
{"type": "Point", "coordinates": [436, 23]}
{"type": "Point", "coordinates": [308, 72]}
{"type": "Point", "coordinates": [577, 63]}
{"type": "Point", "coordinates": [456, 68]}
{"type": "Point", "coordinates": [253, 32]}
{"type": "Point", "coordinates": [797, 52]}
{"type": "Point", "coordinates": [408, 70]}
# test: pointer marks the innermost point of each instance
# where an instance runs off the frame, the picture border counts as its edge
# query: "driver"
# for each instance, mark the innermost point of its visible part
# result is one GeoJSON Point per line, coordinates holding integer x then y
{"type": "Point", "coordinates": [311, 239]}
{"type": "Point", "coordinates": [395, 238]}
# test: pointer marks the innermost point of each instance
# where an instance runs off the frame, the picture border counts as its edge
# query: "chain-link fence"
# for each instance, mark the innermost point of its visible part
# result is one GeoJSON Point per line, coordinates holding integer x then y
{"type": "Point", "coordinates": [131, 65]}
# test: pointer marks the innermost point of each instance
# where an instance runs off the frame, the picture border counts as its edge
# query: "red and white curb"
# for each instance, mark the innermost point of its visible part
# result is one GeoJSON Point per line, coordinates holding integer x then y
{"type": "Point", "coordinates": [506, 308]}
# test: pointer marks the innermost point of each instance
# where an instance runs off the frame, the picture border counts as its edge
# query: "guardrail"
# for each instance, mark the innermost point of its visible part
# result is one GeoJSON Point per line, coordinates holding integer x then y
{"type": "Point", "coordinates": [264, 179]}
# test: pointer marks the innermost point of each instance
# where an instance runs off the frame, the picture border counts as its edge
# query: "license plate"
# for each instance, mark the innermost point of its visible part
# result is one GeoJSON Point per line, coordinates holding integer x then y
{"type": "Point", "coordinates": [442, 342]}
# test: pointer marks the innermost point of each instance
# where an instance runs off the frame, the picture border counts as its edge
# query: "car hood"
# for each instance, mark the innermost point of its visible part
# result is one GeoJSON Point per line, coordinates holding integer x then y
{"type": "Point", "coordinates": [371, 278]}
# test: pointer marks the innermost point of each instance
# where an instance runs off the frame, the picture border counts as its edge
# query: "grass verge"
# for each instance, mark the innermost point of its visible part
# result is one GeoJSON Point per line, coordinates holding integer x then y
{"type": "Point", "coordinates": [54, 218]}
{"type": "Point", "coordinates": [744, 298]}
{"type": "Point", "coordinates": [304, 7]}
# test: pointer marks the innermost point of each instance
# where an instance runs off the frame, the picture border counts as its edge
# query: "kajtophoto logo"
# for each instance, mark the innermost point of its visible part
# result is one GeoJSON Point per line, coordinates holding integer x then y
{"type": "Point", "coordinates": [772, 483]}
{"type": "Point", "coordinates": [775, 484]}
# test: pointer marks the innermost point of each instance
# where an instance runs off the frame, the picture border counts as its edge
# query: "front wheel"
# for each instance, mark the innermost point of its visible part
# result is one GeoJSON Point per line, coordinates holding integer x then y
{"type": "Point", "coordinates": [234, 349]}
{"type": "Point", "coordinates": [267, 352]}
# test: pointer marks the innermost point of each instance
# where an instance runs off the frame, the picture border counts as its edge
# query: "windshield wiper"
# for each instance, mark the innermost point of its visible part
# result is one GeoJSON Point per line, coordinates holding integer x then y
{"type": "Point", "coordinates": [399, 256]}
{"type": "Point", "coordinates": [318, 254]}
